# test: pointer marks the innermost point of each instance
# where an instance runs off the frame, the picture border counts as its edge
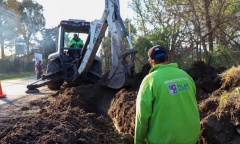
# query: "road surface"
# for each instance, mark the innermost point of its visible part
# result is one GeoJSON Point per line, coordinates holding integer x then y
{"type": "Point", "coordinates": [16, 89]}
{"type": "Point", "coordinates": [16, 99]}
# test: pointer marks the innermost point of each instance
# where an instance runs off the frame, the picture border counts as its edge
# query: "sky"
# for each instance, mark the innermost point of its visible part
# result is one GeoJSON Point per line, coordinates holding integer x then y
{"type": "Point", "coordinates": [89, 10]}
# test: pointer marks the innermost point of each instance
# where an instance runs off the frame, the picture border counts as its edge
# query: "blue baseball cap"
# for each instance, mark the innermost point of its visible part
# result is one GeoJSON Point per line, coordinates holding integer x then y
{"type": "Point", "coordinates": [157, 52]}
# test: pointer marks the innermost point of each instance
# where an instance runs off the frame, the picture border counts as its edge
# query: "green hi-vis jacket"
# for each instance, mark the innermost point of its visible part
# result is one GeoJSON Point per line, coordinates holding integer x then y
{"type": "Point", "coordinates": [76, 43]}
{"type": "Point", "coordinates": [166, 108]}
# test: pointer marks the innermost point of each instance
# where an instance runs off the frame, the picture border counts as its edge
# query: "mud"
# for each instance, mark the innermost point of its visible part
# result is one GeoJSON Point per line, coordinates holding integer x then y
{"type": "Point", "coordinates": [94, 114]}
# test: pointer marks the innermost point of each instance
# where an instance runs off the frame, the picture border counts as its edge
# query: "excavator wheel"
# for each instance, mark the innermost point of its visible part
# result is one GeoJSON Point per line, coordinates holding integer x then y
{"type": "Point", "coordinates": [56, 81]}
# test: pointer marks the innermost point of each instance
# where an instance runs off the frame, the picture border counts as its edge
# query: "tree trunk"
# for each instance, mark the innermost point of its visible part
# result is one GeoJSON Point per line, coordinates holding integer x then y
{"type": "Point", "coordinates": [138, 10]}
{"type": "Point", "coordinates": [27, 45]}
{"type": "Point", "coordinates": [2, 46]}
{"type": "Point", "coordinates": [206, 4]}
{"type": "Point", "coordinates": [198, 28]}
{"type": "Point", "coordinates": [1, 39]}
{"type": "Point", "coordinates": [27, 40]}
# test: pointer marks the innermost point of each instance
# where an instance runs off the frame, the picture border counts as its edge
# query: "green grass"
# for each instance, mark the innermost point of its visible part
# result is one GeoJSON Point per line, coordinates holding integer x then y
{"type": "Point", "coordinates": [16, 75]}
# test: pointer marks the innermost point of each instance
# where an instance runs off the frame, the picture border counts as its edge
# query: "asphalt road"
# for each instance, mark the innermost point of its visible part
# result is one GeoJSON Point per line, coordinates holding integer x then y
{"type": "Point", "coordinates": [16, 89]}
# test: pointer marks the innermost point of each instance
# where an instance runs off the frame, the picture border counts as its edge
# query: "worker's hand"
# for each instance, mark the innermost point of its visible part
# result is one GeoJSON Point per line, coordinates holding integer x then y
{"type": "Point", "coordinates": [72, 45]}
{"type": "Point", "coordinates": [80, 46]}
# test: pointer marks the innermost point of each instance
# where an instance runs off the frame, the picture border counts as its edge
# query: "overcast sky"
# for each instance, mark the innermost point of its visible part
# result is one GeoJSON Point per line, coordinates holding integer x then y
{"type": "Point", "coordinates": [89, 10]}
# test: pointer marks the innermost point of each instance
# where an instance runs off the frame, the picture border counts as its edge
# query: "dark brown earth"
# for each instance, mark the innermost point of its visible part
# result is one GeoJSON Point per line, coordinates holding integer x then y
{"type": "Point", "coordinates": [94, 114]}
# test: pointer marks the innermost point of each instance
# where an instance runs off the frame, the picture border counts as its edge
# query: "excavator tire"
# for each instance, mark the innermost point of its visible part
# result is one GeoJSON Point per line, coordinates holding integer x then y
{"type": "Point", "coordinates": [56, 81]}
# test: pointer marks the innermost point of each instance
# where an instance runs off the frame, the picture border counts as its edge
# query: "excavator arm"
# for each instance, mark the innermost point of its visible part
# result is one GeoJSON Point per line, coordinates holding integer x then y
{"type": "Point", "coordinates": [121, 69]}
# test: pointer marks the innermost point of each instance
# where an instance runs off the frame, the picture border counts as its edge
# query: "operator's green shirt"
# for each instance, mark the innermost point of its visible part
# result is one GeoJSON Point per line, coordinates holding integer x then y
{"type": "Point", "coordinates": [76, 43]}
{"type": "Point", "coordinates": [166, 108]}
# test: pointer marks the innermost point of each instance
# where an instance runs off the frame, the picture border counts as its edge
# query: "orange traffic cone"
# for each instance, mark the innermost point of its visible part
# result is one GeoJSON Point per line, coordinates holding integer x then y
{"type": "Point", "coordinates": [2, 95]}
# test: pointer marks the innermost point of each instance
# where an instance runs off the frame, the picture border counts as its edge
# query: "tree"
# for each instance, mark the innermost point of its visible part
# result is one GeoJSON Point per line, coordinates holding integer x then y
{"type": "Point", "coordinates": [48, 43]}
{"type": "Point", "coordinates": [208, 18]}
{"type": "Point", "coordinates": [9, 19]}
{"type": "Point", "coordinates": [142, 44]}
{"type": "Point", "coordinates": [138, 7]}
{"type": "Point", "coordinates": [192, 25]}
{"type": "Point", "coordinates": [32, 20]}
{"type": "Point", "coordinates": [162, 27]}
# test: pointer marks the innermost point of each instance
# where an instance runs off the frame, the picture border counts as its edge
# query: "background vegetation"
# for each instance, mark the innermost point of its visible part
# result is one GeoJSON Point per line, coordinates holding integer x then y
{"type": "Point", "coordinates": [192, 30]}
{"type": "Point", "coordinates": [23, 19]}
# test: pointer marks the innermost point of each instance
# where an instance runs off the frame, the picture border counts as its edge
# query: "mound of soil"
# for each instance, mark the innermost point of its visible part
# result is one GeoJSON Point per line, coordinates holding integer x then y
{"type": "Point", "coordinates": [220, 114]}
{"type": "Point", "coordinates": [123, 105]}
{"type": "Point", "coordinates": [122, 111]}
{"type": "Point", "coordinates": [220, 125]}
{"type": "Point", "coordinates": [206, 78]}
{"type": "Point", "coordinates": [230, 78]}
{"type": "Point", "coordinates": [76, 116]}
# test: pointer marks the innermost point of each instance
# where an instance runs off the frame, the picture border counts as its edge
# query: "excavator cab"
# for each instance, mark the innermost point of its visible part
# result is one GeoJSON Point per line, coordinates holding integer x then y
{"type": "Point", "coordinates": [68, 59]}
{"type": "Point", "coordinates": [67, 30]}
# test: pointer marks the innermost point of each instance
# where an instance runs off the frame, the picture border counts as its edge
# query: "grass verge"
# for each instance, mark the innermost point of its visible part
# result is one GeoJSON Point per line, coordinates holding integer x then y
{"type": "Point", "coordinates": [16, 75]}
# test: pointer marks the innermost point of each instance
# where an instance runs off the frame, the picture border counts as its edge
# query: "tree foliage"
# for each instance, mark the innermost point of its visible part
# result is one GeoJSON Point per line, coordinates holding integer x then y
{"type": "Point", "coordinates": [18, 19]}
{"type": "Point", "coordinates": [142, 44]}
{"type": "Point", "coordinates": [190, 28]}
{"type": "Point", "coordinates": [9, 19]}
{"type": "Point", "coordinates": [32, 20]}
{"type": "Point", "coordinates": [49, 41]}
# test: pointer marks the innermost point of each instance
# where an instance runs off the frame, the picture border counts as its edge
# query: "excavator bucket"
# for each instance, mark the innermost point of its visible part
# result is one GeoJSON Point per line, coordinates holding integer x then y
{"type": "Point", "coordinates": [120, 76]}
{"type": "Point", "coordinates": [116, 77]}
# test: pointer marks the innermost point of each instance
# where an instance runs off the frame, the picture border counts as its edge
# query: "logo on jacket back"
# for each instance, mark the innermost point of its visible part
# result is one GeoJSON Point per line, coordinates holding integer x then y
{"type": "Point", "coordinates": [172, 88]}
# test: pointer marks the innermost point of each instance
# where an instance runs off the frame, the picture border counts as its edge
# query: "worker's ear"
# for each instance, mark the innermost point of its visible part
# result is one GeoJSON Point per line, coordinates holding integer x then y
{"type": "Point", "coordinates": [152, 62]}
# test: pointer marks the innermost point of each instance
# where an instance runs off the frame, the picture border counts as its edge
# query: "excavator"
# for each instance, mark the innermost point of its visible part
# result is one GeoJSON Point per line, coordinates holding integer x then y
{"type": "Point", "coordinates": [84, 64]}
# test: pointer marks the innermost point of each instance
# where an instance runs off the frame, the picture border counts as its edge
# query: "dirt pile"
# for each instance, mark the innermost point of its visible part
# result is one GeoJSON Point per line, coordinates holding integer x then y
{"type": "Point", "coordinates": [123, 106]}
{"type": "Point", "coordinates": [220, 125]}
{"type": "Point", "coordinates": [76, 116]}
{"type": "Point", "coordinates": [206, 78]}
{"type": "Point", "coordinates": [220, 113]}
{"type": "Point", "coordinates": [122, 111]}
{"type": "Point", "coordinates": [93, 114]}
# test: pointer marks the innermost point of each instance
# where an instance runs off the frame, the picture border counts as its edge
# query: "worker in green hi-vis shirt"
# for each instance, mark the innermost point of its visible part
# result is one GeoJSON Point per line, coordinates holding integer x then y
{"type": "Point", "coordinates": [77, 43]}
{"type": "Point", "coordinates": [166, 106]}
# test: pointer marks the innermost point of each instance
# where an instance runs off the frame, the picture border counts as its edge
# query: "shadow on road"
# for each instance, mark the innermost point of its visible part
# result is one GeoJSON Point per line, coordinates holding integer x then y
{"type": "Point", "coordinates": [6, 100]}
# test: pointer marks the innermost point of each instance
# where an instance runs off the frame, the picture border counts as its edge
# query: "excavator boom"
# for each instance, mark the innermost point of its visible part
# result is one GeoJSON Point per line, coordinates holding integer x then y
{"type": "Point", "coordinates": [121, 69]}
